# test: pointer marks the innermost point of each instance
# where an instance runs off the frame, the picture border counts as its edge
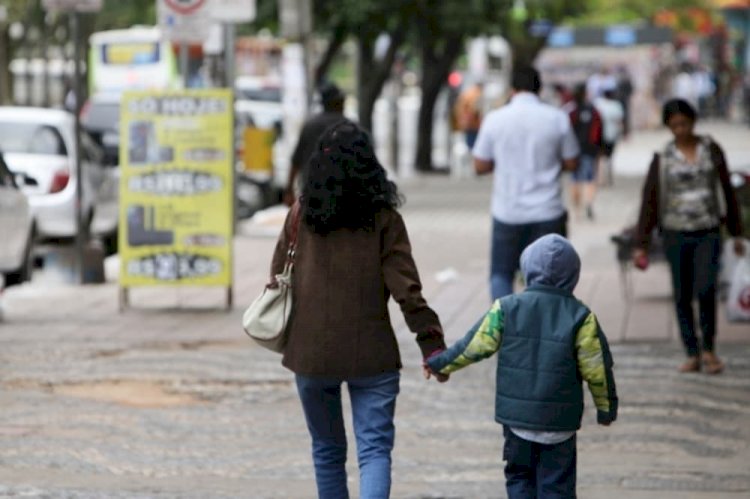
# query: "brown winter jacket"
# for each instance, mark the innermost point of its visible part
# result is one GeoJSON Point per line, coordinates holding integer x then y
{"type": "Point", "coordinates": [340, 326]}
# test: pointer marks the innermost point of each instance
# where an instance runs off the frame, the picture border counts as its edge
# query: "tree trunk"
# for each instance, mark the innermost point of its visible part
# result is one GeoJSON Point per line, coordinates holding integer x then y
{"type": "Point", "coordinates": [364, 65]}
{"type": "Point", "coordinates": [525, 51]}
{"type": "Point", "coordinates": [338, 39]}
{"type": "Point", "coordinates": [373, 74]}
{"type": "Point", "coordinates": [435, 70]}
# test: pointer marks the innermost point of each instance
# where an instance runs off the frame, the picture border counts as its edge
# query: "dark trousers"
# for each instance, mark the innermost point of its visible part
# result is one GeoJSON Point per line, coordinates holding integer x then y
{"type": "Point", "coordinates": [539, 471]}
{"type": "Point", "coordinates": [508, 242]}
{"type": "Point", "coordinates": [694, 261]}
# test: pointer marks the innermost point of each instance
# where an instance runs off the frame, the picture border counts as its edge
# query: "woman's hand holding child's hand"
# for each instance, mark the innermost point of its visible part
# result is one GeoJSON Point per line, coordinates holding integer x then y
{"type": "Point", "coordinates": [442, 378]}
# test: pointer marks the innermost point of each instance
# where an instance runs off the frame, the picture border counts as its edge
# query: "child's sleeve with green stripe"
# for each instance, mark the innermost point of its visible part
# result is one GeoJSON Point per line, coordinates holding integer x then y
{"type": "Point", "coordinates": [595, 365]}
{"type": "Point", "coordinates": [481, 342]}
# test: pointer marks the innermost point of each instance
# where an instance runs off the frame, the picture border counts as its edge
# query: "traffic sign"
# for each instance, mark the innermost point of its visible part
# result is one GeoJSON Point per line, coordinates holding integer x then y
{"type": "Point", "coordinates": [185, 21]}
{"type": "Point", "coordinates": [233, 11]}
{"type": "Point", "coordinates": [185, 7]}
{"type": "Point", "coordinates": [72, 5]}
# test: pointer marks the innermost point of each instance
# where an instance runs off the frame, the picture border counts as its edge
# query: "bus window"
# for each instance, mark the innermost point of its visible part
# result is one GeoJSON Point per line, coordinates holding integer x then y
{"type": "Point", "coordinates": [131, 59]}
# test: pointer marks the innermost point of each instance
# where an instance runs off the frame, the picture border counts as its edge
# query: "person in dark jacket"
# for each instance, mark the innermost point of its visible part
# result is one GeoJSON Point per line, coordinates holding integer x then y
{"type": "Point", "coordinates": [587, 125]}
{"type": "Point", "coordinates": [547, 343]}
{"type": "Point", "coordinates": [352, 255]}
{"type": "Point", "coordinates": [332, 99]}
{"type": "Point", "coordinates": [682, 197]}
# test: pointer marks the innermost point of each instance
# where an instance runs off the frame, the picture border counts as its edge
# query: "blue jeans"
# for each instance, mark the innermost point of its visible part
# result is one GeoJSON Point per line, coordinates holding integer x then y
{"type": "Point", "coordinates": [694, 261]}
{"type": "Point", "coordinates": [373, 406]}
{"type": "Point", "coordinates": [508, 242]}
{"type": "Point", "coordinates": [471, 138]}
{"type": "Point", "coordinates": [539, 471]}
{"type": "Point", "coordinates": [586, 171]}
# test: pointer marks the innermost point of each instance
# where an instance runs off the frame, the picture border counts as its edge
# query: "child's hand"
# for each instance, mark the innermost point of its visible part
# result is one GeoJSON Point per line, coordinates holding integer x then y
{"type": "Point", "coordinates": [441, 378]}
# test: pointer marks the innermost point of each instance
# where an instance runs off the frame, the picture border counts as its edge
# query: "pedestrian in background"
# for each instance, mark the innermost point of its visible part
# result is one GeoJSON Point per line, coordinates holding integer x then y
{"type": "Point", "coordinates": [352, 254]}
{"type": "Point", "coordinates": [332, 99]}
{"type": "Point", "coordinates": [623, 93]}
{"type": "Point", "coordinates": [599, 82]}
{"type": "Point", "coordinates": [468, 112]}
{"type": "Point", "coordinates": [613, 117]}
{"type": "Point", "coordinates": [563, 97]}
{"type": "Point", "coordinates": [681, 198]}
{"type": "Point", "coordinates": [526, 144]}
{"type": "Point", "coordinates": [587, 126]}
{"type": "Point", "coordinates": [548, 342]}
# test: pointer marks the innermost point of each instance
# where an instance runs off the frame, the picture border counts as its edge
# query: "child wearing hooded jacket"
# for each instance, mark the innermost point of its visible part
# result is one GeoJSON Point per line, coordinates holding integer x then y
{"type": "Point", "coordinates": [547, 342]}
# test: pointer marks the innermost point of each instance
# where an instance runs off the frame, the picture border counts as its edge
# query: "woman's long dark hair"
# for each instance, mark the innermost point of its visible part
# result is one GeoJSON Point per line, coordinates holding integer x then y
{"type": "Point", "coordinates": [346, 185]}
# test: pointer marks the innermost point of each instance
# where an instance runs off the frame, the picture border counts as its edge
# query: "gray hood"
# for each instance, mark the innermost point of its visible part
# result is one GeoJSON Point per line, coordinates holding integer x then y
{"type": "Point", "coordinates": [551, 261]}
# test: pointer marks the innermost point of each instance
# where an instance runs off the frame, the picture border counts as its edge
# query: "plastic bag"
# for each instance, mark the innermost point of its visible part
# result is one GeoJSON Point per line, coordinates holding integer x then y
{"type": "Point", "coordinates": [729, 261]}
{"type": "Point", "coordinates": [738, 300]}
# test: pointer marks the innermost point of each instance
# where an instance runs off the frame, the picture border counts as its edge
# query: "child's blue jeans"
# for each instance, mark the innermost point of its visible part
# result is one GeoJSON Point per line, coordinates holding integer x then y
{"type": "Point", "coordinates": [539, 471]}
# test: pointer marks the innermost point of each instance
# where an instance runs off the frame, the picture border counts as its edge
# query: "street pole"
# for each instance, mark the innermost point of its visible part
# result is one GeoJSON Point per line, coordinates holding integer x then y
{"type": "Point", "coordinates": [5, 94]}
{"type": "Point", "coordinates": [80, 236]}
{"type": "Point", "coordinates": [229, 76]}
{"type": "Point", "coordinates": [184, 58]}
{"type": "Point", "coordinates": [45, 61]}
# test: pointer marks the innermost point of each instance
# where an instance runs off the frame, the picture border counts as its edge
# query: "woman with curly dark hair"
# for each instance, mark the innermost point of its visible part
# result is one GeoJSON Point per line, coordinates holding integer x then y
{"type": "Point", "coordinates": [352, 254]}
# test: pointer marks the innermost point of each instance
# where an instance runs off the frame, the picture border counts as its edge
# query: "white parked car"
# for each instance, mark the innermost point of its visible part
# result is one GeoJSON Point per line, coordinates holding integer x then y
{"type": "Point", "coordinates": [38, 145]}
{"type": "Point", "coordinates": [17, 229]}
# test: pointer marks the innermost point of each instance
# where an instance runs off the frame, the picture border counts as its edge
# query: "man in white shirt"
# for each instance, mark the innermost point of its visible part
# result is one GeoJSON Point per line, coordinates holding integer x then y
{"type": "Point", "coordinates": [526, 144]}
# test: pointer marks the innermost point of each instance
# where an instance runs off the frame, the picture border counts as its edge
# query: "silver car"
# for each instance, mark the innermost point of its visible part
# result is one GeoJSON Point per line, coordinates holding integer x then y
{"type": "Point", "coordinates": [17, 229]}
{"type": "Point", "coordinates": [38, 144]}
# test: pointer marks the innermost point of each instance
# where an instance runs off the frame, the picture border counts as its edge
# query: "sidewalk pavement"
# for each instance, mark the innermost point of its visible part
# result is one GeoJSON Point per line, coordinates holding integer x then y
{"type": "Point", "coordinates": [169, 399]}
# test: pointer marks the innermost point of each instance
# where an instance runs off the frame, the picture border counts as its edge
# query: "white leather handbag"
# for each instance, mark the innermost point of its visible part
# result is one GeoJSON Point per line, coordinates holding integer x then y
{"type": "Point", "coordinates": [267, 317]}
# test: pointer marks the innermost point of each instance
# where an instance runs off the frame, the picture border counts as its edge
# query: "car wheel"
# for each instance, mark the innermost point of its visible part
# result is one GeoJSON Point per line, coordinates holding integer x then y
{"type": "Point", "coordinates": [251, 197]}
{"type": "Point", "coordinates": [26, 269]}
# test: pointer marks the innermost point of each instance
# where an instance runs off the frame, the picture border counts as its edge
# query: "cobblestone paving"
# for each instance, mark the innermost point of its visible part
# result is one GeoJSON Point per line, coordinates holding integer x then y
{"type": "Point", "coordinates": [170, 401]}
{"type": "Point", "coordinates": [222, 420]}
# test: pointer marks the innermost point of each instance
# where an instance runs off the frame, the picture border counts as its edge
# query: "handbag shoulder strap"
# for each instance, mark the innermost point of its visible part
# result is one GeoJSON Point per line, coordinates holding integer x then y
{"type": "Point", "coordinates": [296, 215]}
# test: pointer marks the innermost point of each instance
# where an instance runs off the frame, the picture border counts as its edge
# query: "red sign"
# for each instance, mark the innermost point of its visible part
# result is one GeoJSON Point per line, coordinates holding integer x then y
{"type": "Point", "coordinates": [184, 7]}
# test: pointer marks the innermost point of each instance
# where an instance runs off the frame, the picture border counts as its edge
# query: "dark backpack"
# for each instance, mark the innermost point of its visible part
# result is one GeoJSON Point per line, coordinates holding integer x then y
{"type": "Point", "coordinates": [587, 126]}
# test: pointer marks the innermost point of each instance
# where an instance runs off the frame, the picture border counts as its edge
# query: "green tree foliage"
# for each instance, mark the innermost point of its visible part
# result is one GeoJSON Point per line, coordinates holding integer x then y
{"type": "Point", "coordinates": [119, 14]}
{"type": "Point", "coordinates": [606, 12]}
{"type": "Point", "coordinates": [444, 26]}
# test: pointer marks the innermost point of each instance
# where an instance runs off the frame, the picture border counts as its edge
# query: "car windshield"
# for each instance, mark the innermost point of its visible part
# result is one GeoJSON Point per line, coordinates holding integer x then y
{"type": "Point", "coordinates": [102, 115]}
{"type": "Point", "coordinates": [268, 94]}
{"type": "Point", "coordinates": [31, 138]}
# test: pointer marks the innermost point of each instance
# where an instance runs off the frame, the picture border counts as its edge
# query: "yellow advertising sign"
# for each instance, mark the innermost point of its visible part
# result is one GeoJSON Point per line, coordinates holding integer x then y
{"type": "Point", "coordinates": [176, 188]}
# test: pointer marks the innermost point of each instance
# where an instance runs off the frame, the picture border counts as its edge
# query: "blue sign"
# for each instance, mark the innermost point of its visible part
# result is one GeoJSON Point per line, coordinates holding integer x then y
{"type": "Point", "coordinates": [561, 37]}
{"type": "Point", "coordinates": [540, 28]}
{"type": "Point", "coordinates": [620, 36]}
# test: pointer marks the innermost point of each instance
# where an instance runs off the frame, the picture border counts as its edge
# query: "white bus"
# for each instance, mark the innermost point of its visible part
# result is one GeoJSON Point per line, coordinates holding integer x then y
{"type": "Point", "coordinates": [129, 59]}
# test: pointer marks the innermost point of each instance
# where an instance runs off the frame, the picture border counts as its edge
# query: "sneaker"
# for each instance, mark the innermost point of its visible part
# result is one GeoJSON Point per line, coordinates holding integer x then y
{"type": "Point", "coordinates": [692, 365]}
{"type": "Point", "coordinates": [712, 363]}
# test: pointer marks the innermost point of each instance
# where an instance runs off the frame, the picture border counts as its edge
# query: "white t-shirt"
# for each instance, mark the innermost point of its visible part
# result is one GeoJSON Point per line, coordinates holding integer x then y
{"type": "Point", "coordinates": [543, 437]}
{"type": "Point", "coordinates": [612, 114]}
{"type": "Point", "coordinates": [526, 140]}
